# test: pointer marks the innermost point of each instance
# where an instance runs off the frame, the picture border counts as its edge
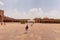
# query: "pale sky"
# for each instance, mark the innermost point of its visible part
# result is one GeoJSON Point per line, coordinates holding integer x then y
{"type": "Point", "coordinates": [31, 8]}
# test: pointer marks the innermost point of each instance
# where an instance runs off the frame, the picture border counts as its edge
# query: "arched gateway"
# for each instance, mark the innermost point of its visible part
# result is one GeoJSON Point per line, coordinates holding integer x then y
{"type": "Point", "coordinates": [1, 16]}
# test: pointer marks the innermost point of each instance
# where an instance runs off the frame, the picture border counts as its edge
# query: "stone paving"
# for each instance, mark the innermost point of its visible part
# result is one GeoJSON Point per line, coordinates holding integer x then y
{"type": "Point", "coordinates": [38, 31]}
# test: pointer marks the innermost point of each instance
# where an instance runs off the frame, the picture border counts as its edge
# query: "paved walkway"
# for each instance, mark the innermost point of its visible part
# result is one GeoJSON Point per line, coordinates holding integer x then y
{"type": "Point", "coordinates": [16, 31]}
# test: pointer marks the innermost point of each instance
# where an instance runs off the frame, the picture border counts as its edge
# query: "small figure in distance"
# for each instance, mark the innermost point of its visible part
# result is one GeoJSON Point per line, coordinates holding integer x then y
{"type": "Point", "coordinates": [1, 23]}
{"type": "Point", "coordinates": [32, 24]}
{"type": "Point", "coordinates": [26, 28]}
{"type": "Point", "coordinates": [4, 23]}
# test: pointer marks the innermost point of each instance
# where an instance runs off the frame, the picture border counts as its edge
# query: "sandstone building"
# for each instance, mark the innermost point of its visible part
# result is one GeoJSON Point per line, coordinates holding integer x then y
{"type": "Point", "coordinates": [1, 16]}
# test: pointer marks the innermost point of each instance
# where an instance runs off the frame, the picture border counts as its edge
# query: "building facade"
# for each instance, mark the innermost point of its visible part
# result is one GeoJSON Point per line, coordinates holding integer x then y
{"type": "Point", "coordinates": [44, 20]}
{"type": "Point", "coordinates": [1, 16]}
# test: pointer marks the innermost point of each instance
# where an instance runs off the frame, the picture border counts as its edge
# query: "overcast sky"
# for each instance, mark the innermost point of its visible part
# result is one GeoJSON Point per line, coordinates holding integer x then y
{"type": "Point", "coordinates": [31, 8]}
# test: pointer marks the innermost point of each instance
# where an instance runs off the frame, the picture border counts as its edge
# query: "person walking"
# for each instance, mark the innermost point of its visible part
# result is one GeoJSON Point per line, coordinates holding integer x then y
{"type": "Point", "coordinates": [32, 24]}
{"type": "Point", "coordinates": [26, 28]}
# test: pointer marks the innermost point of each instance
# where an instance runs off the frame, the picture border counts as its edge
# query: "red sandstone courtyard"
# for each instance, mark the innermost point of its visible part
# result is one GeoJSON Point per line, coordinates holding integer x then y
{"type": "Point", "coordinates": [39, 31]}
